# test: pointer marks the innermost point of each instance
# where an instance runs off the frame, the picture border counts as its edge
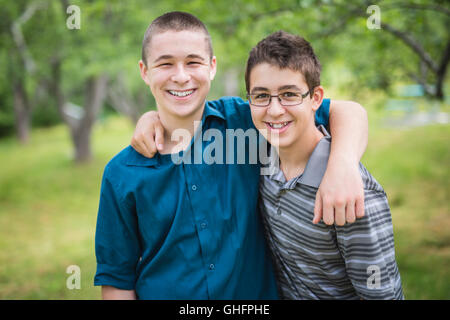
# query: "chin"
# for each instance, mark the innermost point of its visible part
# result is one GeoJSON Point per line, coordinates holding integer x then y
{"type": "Point", "coordinates": [183, 111]}
{"type": "Point", "coordinates": [285, 143]}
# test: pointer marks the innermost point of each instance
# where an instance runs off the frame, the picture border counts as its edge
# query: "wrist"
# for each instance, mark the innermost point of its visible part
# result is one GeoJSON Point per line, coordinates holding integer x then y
{"type": "Point", "coordinates": [339, 159]}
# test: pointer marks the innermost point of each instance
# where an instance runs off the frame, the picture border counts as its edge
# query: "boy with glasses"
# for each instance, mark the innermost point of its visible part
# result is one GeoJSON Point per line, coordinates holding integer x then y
{"type": "Point", "coordinates": [312, 261]}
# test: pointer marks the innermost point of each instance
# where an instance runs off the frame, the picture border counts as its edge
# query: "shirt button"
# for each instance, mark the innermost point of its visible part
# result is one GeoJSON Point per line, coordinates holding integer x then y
{"type": "Point", "coordinates": [203, 225]}
{"type": "Point", "coordinates": [211, 266]}
{"type": "Point", "coordinates": [194, 187]}
{"type": "Point", "coordinates": [279, 210]}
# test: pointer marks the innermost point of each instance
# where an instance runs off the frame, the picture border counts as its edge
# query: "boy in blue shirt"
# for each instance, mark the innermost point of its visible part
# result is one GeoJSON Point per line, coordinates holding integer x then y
{"type": "Point", "coordinates": [169, 230]}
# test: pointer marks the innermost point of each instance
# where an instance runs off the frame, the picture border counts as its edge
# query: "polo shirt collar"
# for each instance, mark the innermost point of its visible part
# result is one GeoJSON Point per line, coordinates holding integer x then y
{"type": "Point", "coordinates": [317, 164]}
{"type": "Point", "coordinates": [315, 167]}
{"type": "Point", "coordinates": [136, 159]}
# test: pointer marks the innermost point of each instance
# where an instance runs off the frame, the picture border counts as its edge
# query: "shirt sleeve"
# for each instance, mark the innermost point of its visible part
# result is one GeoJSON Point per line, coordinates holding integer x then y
{"type": "Point", "coordinates": [323, 113]}
{"type": "Point", "coordinates": [117, 246]}
{"type": "Point", "coordinates": [367, 247]}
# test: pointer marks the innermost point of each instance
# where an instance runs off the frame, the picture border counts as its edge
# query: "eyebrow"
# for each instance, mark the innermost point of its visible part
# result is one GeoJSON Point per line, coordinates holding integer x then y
{"type": "Point", "coordinates": [168, 56]}
{"type": "Point", "coordinates": [195, 56]}
{"type": "Point", "coordinates": [286, 87]}
{"type": "Point", "coordinates": [259, 89]}
{"type": "Point", "coordinates": [163, 57]}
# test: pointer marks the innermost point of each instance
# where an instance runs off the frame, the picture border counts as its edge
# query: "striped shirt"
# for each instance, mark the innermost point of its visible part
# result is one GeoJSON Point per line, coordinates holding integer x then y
{"type": "Point", "coordinates": [353, 261]}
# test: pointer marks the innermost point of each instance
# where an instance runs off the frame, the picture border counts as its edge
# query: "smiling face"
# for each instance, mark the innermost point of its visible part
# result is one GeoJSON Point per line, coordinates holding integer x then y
{"type": "Point", "coordinates": [287, 124]}
{"type": "Point", "coordinates": [179, 72]}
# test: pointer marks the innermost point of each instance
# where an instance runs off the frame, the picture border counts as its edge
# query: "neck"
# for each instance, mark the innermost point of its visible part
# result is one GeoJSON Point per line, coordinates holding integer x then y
{"type": "Point", "coordinates": [293, 159]}
{"type": "Point", "coordinates": [176, 141]}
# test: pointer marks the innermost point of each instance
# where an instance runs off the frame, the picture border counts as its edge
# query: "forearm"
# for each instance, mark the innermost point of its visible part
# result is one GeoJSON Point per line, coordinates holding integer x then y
{"type": "Point", "coordinates": [112, 293]}
{"type": "Point", "coordinates": [349, 130]}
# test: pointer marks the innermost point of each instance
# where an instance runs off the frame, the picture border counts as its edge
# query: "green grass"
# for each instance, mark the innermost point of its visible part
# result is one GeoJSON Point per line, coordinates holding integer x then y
{"type": "Point", "coordinates": [413, 167]}
{"type": "Point", "coordinates": [48, 208]}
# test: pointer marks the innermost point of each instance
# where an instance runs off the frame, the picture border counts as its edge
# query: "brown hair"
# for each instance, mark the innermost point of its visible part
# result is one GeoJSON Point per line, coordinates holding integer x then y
{"type": "Point", "coordinates": [286, 50]}
{"type": "Point", "coordinates": [176, 21]}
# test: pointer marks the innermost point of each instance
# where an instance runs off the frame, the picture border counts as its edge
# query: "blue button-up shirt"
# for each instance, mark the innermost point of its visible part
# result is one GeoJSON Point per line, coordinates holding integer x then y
{"type": "Point", "coordinates": [186, 231]}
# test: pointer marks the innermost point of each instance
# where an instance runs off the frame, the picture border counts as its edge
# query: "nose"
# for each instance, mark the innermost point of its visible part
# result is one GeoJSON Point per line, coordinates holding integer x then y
{"type": "Point", "coordinates": [275, 109]}
{"type": "Point", "coordinates": [180, 75]}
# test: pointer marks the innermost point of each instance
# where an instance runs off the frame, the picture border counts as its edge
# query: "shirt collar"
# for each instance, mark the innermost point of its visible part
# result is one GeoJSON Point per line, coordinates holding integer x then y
{"type": "Point", "coordinates": [210, 111]}
{"type": "Point", "coordinates": [317, 164]}
{"type": "Point", "coordinates": [136, 159]}
{"type": "Point", "coordinates": [315, 167]}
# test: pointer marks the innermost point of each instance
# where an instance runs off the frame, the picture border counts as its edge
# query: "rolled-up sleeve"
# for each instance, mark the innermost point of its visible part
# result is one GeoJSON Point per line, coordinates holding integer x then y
{"type": "Point", "coordinates": [117, 246]}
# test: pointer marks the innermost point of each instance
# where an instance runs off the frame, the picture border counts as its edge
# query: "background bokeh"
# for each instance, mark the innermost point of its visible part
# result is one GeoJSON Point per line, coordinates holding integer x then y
{"type": "Point", "coordinates": [69, 99]}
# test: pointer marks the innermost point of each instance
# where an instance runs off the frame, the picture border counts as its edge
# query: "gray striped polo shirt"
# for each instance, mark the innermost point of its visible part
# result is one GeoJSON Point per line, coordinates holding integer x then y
{"type": "Point", "coordinates": [353, 261]}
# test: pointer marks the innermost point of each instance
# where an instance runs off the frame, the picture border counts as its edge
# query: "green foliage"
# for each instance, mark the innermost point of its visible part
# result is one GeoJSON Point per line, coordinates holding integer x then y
{"type": "Point", "coordinates": [109, 40]}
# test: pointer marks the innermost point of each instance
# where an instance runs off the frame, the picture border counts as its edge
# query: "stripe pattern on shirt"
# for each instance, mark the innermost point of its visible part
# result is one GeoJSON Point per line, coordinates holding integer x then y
{"type": "Point", "coordinates": [353, 261]}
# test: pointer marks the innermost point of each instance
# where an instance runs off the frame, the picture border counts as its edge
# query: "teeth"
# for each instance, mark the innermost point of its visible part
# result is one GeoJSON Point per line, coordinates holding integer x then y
{"type": "Point", "coordinates": [278, 125]}
{"type": "Point", "coordinates": [181, 93]}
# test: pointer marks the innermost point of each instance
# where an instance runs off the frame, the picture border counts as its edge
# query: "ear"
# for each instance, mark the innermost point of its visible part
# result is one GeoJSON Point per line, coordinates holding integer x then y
{"type": "Point", "coordinates": [144, 71]}
{"type": "Point", "coordinates": [213, 66]}
{"type": "Point", "coordinates": [317, 97]}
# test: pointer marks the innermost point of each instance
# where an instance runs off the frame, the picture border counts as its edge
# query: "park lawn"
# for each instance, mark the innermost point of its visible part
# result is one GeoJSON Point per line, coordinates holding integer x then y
{"type": "Point", "coordinates": [48, 208]}
{"type": "Point", "coordinates": [413, 167]}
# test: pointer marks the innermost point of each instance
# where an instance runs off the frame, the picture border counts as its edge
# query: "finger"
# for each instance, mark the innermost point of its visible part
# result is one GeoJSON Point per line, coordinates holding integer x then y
{"type": "Point", "coordinates": [317, 209]}
{"type": "Point", "coordinates": [159, 137]}
{"type": "Point", "coordinates": [150, 146]}
{"type": "Point", "coordinates": [328, 212]}
{"type": "Point", "coordinates": [350, 212]}
{"type": "Point", "coordinates": [359, 206]}
{"type": "Point", "coordinates": [339, 214]}
{"type": "Point", "coordinates": [142, 148]}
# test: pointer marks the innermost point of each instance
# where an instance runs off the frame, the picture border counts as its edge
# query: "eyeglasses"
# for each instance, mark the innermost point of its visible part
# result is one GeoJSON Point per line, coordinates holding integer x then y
{"type": "Point", "coordinates": [287, 98]}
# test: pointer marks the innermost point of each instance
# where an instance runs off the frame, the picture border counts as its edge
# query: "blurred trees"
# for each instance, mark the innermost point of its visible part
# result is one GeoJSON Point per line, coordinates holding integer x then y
{"type": "Point", "coordinates": [52, 73]}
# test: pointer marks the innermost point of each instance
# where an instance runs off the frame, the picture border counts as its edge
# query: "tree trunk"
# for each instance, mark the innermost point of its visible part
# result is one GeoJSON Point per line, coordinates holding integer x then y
{"type": "Point", "coordinates": [96, 89]}
{"type": "Point", "coordinates": [81, 125]}
{"type": "Point", "coordinates": [82, 143]}
{"type": "Point", "coordinates": [22, 111]}
{"type": "Point", "coordinates": [441, 72]}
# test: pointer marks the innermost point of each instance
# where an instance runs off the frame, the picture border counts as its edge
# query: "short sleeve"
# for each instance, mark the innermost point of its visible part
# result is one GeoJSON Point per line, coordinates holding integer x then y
{"type": "Point", "coordinates": [323, 113]}
{"type": "Point", "coordinates": [117, 246]}
{"type": "Point", "coordinates": [367, 247]}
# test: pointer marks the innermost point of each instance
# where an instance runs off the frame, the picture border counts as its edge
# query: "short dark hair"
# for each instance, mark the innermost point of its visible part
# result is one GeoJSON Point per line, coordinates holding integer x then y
{"type": "Point", "coordinates": [285, 50]}
{"type": "Point", "coordinates": [176, 21]}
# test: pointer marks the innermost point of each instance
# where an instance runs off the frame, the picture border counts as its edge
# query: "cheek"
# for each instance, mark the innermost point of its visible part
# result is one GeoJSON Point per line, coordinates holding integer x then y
{"type": "Point", "coordinates": [204, 78]}
{"type": "Point", "coordinates": [257, 116]}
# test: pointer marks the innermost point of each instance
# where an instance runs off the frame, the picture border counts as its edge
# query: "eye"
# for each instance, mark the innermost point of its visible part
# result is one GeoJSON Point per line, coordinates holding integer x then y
{"type": "Point", "coordinates": [193, 63]}
{"type": "Point", "coordinates": [262, 96]}
{"type": "Point", "coordinates": [289, 94]}
{"type": "Point", "coordinates": [165, 64]}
